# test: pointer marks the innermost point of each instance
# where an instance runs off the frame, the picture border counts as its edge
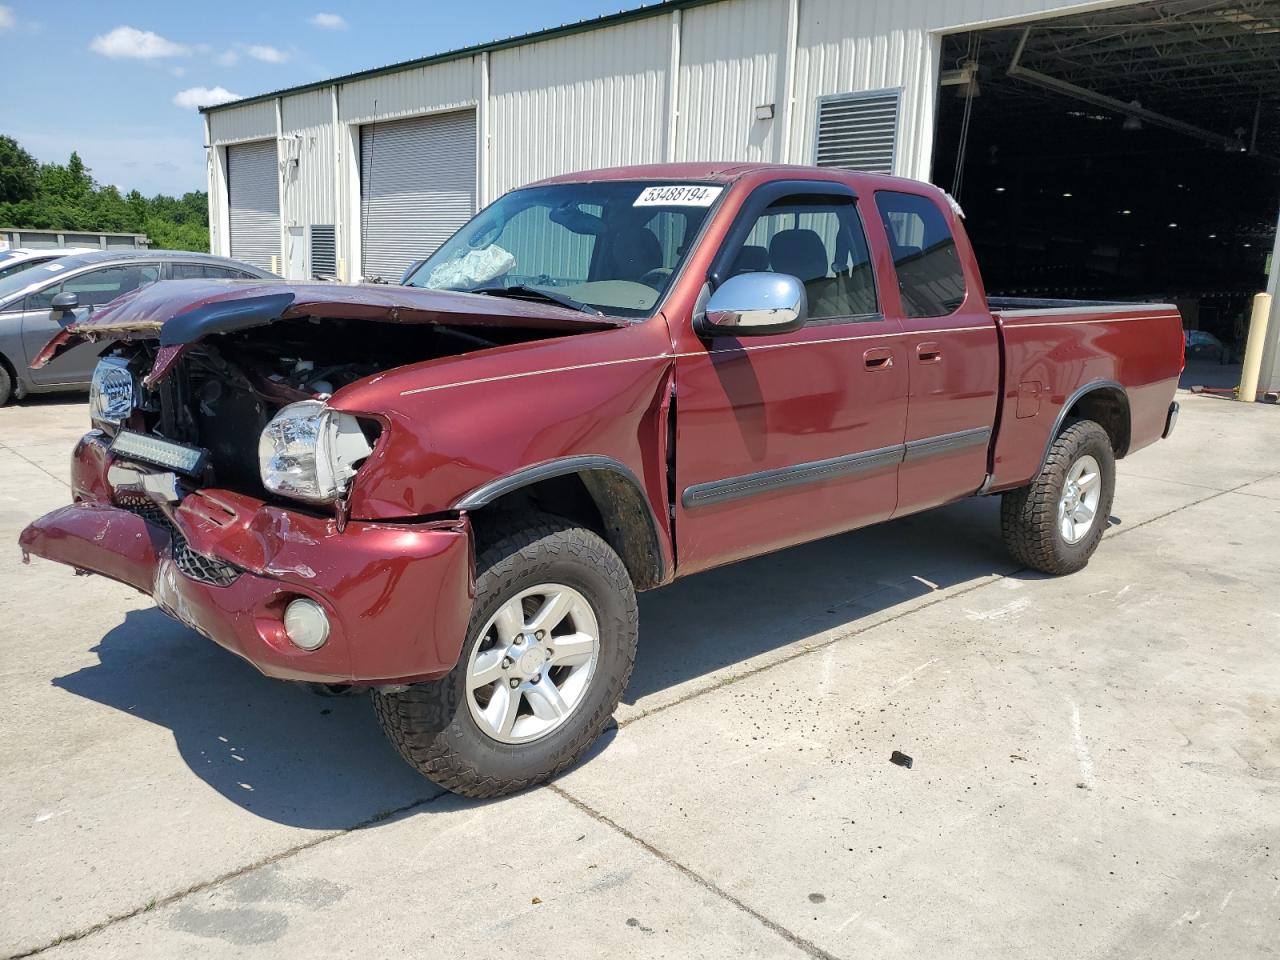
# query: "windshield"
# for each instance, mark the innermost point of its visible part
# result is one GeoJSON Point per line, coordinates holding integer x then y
{"type": "Point", "coordinates": [613, 246]}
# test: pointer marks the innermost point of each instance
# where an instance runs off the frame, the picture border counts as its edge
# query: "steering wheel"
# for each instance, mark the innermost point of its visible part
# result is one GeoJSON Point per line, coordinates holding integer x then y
{"type": "Point", "coordinates": [656, 278]}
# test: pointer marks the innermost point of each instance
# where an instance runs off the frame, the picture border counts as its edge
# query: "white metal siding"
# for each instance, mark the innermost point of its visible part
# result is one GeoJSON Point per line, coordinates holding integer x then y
{"type": "Point", "coordinates": [255, 202]}
{"type": "Point", "coordinates": [418, 186]}
{"type": "Point", "coordinates": [730, 56]}
{"type": "Point", "coordinates": [440, 86]}
{"type": "Point", "coordinates": [238, 124]}
{"type": "Point", "coordinates": [307, 127]}
{"type": "Point", "coordinates": [594, 99]}
{"type": "Point", "coordinates": [858, 131]}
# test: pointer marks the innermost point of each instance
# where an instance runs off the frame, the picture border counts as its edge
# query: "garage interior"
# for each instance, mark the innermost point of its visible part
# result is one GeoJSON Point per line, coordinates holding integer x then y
{"type": "Point", "coordinates": [1127, 153]}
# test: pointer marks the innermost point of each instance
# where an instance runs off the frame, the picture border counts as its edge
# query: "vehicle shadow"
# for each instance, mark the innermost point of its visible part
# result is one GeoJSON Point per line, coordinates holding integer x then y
{"type": "Point", "coordinates": [281, 752]}
{"type": "Point", "coordinates": [273, 748]}
{"type": "Point", "coordinates": [731, 614]}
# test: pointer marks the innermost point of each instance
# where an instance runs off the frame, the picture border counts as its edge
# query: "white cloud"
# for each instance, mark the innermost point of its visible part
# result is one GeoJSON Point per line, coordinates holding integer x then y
{"type": "Point", "coordinates": [194, 97]}
{"type": "Point", "coordinates": [134, 44]}
{"type": "Point", "coordinates": [178, 71]}
{"type": "Point", "coordinates": [267, 54]}
{"type": "Point", "coordinates": [7, 19]}
{"type": "Point", "coordinates": [227, 58]}
{"type": "Point", "coordinates": [329, 21]}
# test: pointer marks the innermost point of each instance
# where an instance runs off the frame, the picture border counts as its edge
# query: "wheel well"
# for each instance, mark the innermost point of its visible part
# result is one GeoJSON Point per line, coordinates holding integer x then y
{"type": "Point", "coordinates": [604, 502]}
{"type": "Point", "coordinates": [1109, 408]}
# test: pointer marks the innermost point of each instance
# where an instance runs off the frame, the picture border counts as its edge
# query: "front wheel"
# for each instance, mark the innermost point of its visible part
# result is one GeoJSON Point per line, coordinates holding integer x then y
{"type": "Point", "coordinates": [1055, 522]}
{"type": "Point", "coordinates": [548, 653]}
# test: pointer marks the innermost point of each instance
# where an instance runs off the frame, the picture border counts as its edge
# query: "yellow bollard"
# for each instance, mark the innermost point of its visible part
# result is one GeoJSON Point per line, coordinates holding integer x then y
{"type": "Point", "coordinates": [1253, 348]}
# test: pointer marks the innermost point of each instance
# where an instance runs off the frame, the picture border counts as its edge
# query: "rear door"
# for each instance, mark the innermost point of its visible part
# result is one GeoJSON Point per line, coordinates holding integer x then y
{"type": "Point", "coordinates": [950, 351]}
{"type": "Point", "coordinates": [94, 288]}
{"type": "Point", "coordinates": [785, 438]}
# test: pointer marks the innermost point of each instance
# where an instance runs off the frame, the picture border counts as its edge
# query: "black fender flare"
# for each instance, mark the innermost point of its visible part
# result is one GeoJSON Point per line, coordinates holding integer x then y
{"type": "Point", "coordinates": [587, 466]}
{"type": "Point", "coordinates": [1071, 401]}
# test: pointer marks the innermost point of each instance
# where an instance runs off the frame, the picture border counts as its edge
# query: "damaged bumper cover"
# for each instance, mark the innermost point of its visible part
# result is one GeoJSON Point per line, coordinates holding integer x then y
{"type": "Point", "coordinates": [398, 596]}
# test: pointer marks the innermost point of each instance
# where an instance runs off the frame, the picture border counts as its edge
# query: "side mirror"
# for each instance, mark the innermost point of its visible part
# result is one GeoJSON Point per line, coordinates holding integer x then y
{"type": "Point", "coordinates": [65, 302]}
{"type": "Point", "coordinates": [755, 304]}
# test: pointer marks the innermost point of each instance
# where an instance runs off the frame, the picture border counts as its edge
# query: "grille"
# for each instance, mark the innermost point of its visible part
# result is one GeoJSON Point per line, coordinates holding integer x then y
{"type": "Point", "coordinates": [194, 565]}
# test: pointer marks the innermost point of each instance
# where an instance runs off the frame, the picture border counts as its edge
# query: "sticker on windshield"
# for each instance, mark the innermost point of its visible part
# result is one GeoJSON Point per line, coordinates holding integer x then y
{"type": "Point", "coordinates": [677, 195]}
{"type": "Point", "coordinates": [54, 267]}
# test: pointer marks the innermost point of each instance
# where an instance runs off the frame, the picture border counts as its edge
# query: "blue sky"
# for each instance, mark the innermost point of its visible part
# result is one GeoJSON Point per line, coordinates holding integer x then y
{"type": "Point", "coordinates": [113, 80]}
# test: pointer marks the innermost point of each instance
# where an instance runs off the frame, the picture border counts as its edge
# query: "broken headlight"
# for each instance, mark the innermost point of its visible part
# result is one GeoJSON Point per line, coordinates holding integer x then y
{"type": "Point", "coordinates": [111, 391]}
{"type": "Point", "coordinates": [310, 452]}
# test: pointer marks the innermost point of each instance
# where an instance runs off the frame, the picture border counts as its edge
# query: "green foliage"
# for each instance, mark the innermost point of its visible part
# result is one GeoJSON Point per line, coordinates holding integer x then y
{"type": "Point", "coordinates": [54, 196]}
{"type": "Point", "coordinates": [19, 172]}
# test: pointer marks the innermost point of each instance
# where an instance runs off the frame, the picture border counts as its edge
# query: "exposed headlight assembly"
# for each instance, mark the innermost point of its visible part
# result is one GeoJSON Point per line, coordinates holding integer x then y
{"type": "Point", "coordinates": [310, 452]}
{"type": "Point", "coordinates": [111, 391]}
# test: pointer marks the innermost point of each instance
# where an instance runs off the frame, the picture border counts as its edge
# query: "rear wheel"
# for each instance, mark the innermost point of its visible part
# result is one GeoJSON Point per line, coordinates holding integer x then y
{"type": "Point", "coordinates": [6, 384]}
{"type": "Point", "coordinates": [1056, 522]}
{"type": "Point", "coordinates": [548, 653]}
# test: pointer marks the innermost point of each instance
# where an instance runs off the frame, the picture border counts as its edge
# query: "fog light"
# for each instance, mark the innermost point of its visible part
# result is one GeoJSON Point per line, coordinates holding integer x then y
{"type": "Point", "coordinates": [307, 624]}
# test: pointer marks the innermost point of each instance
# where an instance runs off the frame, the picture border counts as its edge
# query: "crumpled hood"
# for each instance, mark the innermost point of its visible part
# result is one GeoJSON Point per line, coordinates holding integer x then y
{"type": "Point", "coordinates": [179, 313]}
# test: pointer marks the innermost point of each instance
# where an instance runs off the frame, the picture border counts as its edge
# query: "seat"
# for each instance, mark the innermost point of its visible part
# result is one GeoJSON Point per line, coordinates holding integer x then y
{"type": "Point", "coordinates": [750, 259]}
{"type": "Point", "coordinates": [635, 251]}
{"type": "Point", "coordinates": [799, 252]}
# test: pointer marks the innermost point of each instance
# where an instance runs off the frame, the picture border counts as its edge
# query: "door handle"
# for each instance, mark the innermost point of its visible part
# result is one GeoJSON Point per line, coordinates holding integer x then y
{"type": "Point", "coordinates": [878, 358]}
{"type": "Point", "coordinates": [928, 352]}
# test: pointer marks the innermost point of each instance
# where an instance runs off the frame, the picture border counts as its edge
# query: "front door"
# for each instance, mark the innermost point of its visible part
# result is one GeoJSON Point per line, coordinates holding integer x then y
{"type": "Point", "coordinates": [789, 437]}
{"type": "Point", "coordinates": [951, 351]}
{"type": "Point", "coordinates": [93, 288]}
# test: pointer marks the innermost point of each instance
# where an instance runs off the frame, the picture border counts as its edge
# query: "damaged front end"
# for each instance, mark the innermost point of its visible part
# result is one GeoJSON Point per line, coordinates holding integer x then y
{"type": "Point", "coordinates": [217, 477]}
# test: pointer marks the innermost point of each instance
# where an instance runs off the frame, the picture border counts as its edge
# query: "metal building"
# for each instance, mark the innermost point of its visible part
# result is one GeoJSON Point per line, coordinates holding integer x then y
{"type": "Point", "coordinates": [357, 176]}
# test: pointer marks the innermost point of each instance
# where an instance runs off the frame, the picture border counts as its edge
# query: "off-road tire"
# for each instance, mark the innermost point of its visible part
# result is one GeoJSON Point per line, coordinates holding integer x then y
{"type": "Point", "coordinates": [6, 384]}
{"type": "Point", "coordinates": [1029, 515]}
{"type": "Point", "coordinates": [431, 724]}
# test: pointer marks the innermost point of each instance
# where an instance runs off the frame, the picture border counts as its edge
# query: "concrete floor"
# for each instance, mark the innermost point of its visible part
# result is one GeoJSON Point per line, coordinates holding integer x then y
{"type": "Point", "coordinates": [1097, 758]}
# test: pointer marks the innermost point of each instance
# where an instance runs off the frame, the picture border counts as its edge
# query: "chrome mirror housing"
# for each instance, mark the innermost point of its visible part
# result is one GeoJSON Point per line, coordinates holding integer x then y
{"type": "Point", "coordinates": [755, 304]}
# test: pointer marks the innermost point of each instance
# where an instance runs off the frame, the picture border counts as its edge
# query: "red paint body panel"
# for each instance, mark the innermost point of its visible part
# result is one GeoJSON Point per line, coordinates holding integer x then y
{"type": "Point", "coordinates": [398, 595]}
{"type": "Point", "coordinates": [399, 589]}
{"type": "Point", "coordinates": [1064, 350]}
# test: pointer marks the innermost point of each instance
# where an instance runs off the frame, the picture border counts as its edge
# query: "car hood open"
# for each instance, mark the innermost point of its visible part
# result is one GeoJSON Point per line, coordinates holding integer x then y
{"type": "Point", "coordinates": [179, 313]}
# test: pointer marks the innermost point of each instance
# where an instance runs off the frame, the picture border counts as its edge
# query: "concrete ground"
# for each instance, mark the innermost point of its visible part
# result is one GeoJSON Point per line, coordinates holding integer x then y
{"type": "Point", "coordinates": [1096, 758]}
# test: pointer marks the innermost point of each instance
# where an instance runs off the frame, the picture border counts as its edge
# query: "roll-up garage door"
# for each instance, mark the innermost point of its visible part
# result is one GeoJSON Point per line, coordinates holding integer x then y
{"type": "Point", "coordinates": [254, 203]}
{"type": "Point", "coordinates": [417, 186]}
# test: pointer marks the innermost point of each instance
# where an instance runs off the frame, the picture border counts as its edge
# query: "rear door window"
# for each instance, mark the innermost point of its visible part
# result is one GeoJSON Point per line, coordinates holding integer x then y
{"type": "Point", "coordinates": [930, 277]}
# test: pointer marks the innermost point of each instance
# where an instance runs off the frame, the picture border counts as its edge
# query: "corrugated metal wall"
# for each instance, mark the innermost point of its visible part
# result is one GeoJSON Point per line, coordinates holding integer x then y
{"type": "Point", "coordinates": [253, 121]}
{"type": "Point", "coordinates": [593, 99]}
{"type": "Point", "coordinates": [602, 97]}
{"type": "Point", "coordinates": [308, 194]}
{"type": "Point", "coordinates": [730, 56]}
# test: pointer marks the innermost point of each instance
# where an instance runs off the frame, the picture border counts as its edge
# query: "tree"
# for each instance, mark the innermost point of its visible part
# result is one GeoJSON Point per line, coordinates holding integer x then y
{"type": "Point", "coordinates": [55, 196]}
{"type": "Point", "coordinates": [19, 172]}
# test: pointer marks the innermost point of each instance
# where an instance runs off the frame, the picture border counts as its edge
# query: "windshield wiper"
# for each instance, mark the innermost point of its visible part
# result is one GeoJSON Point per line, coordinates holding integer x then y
{"type": "Point", "coordinates": [537, 293]}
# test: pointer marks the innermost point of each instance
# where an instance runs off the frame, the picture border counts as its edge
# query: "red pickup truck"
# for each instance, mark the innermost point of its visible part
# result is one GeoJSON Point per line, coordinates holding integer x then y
{"type": "Point", "coordinates": [449, 491]}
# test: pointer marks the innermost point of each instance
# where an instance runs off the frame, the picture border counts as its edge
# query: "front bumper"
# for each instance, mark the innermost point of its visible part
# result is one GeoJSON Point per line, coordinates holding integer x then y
{"type": "Point", "coordinates": [398, 596]}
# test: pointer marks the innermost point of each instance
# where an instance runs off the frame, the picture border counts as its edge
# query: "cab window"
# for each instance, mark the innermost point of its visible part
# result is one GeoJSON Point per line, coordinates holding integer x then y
{"type": "Point", "coordinates": [930, 277]}
{"type": "Point", "coordinates": [820, 241]}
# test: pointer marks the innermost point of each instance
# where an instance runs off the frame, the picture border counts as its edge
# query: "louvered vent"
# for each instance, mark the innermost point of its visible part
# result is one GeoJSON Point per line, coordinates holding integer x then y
{"type": "Point", "coordinates": [324, 251]}
{"type": "Point", "coordinates": [858, 131]}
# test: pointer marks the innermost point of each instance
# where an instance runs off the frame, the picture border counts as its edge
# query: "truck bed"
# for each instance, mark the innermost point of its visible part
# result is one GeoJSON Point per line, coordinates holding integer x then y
{"type": "Point", "coordinates": [1056, 350]}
